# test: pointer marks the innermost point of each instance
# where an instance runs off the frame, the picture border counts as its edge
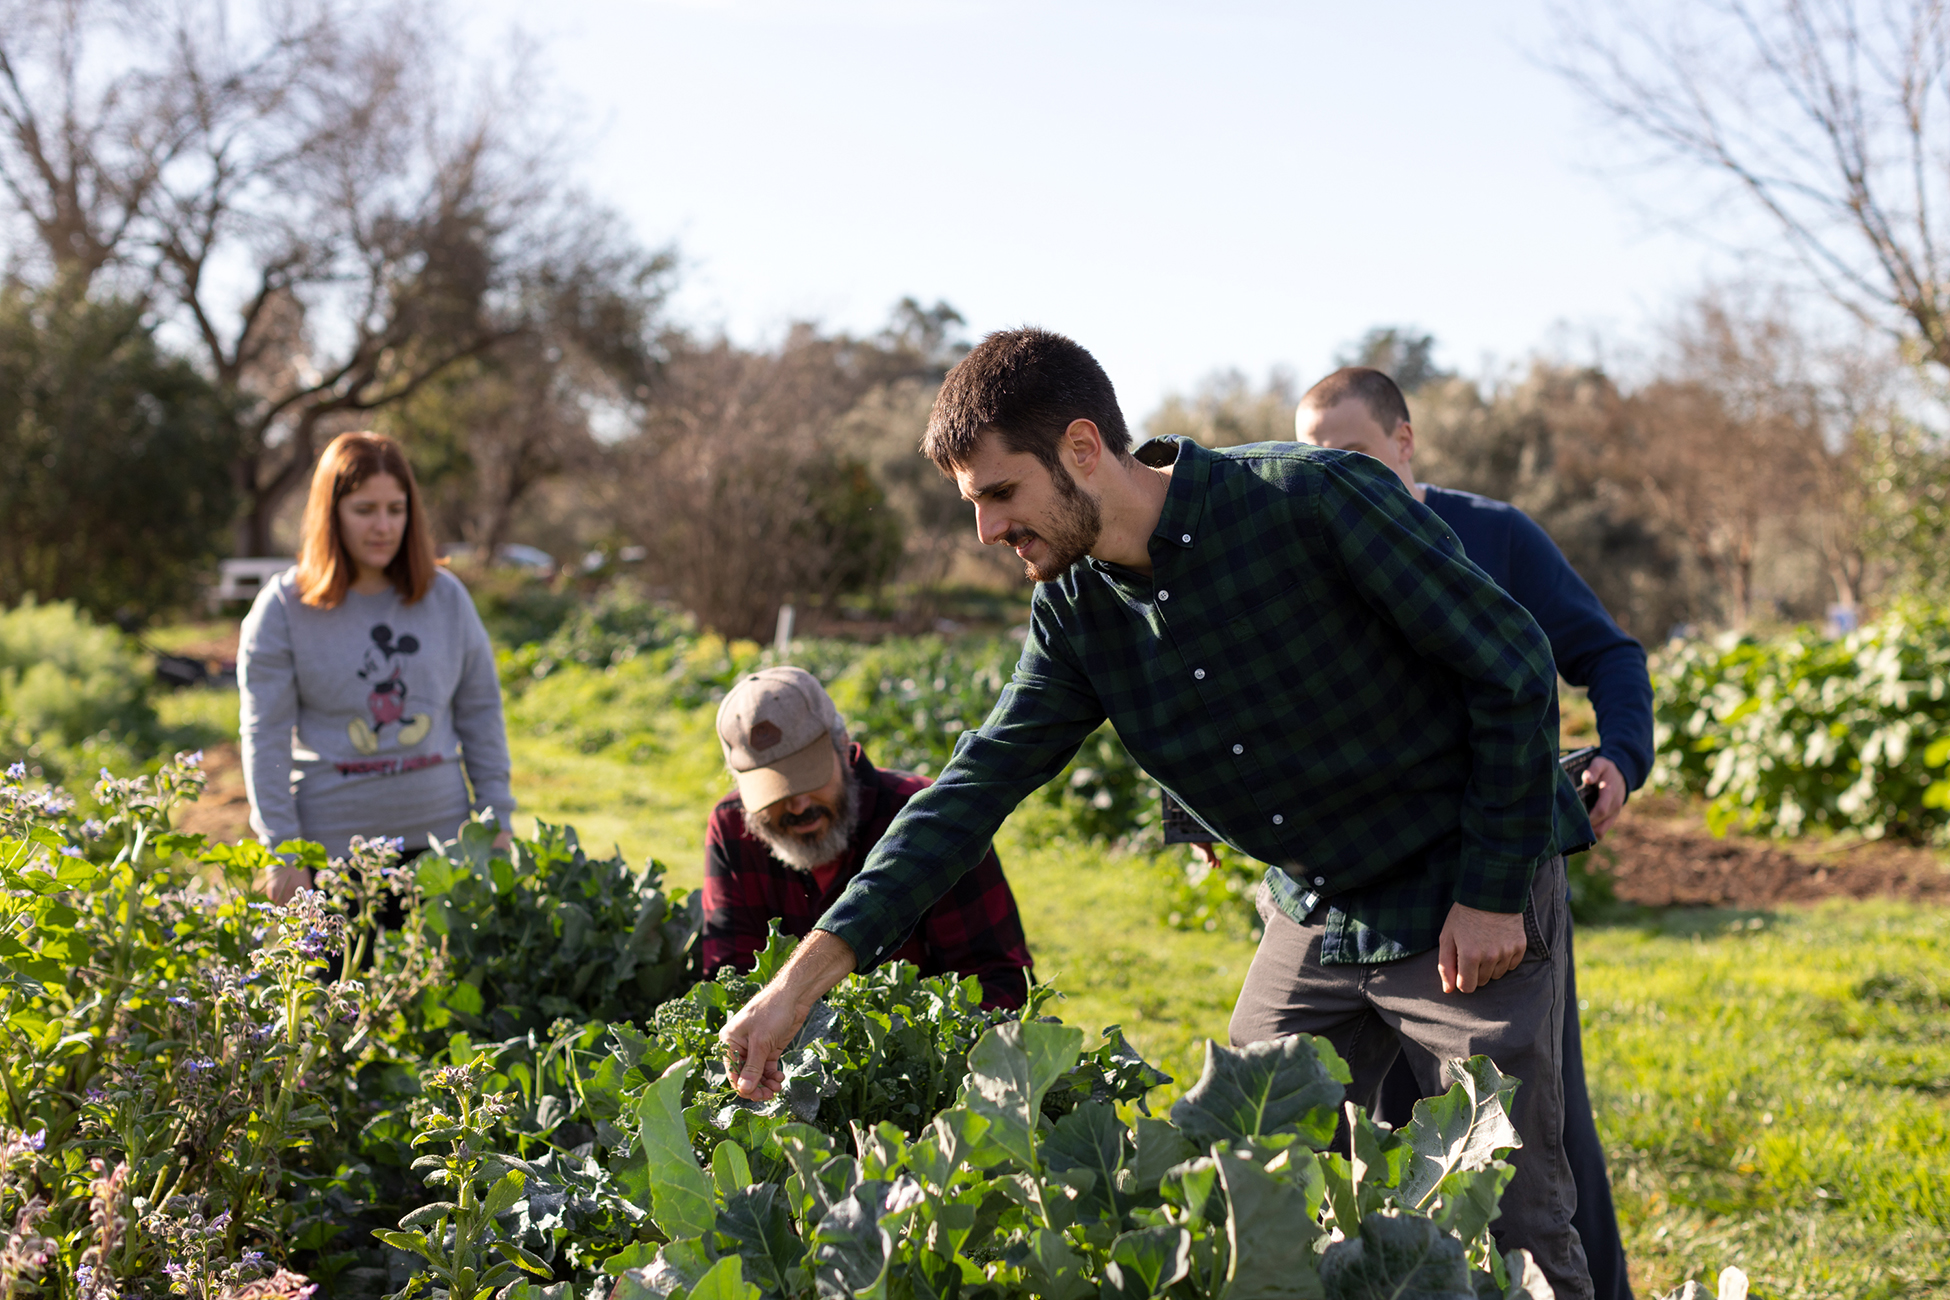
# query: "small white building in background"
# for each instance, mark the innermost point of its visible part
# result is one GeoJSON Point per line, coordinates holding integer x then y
{"type": "Point", "coordinates": [241, 580]}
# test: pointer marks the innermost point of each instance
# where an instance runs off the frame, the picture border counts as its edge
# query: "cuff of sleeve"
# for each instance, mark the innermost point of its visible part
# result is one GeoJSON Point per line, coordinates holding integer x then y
{"type": "Point", "coordinates": [1628, 767]}
{"type": "Point", "coordinates": [869, 950]}
{"type": "Point", "coordinates": [502, 801]}
{"type": "Point", "coordinates": [1494, 884]}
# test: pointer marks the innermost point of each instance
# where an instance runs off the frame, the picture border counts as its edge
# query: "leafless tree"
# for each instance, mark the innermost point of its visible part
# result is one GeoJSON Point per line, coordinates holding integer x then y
{"type": "Point", "coordinates": [490, 431]}
{"type": "Point", "coordinates": [739, 488]}
{"type": "Point", "coordinates": [1832, 117]}
{"type": "Point", "coordinates": [309, 193]}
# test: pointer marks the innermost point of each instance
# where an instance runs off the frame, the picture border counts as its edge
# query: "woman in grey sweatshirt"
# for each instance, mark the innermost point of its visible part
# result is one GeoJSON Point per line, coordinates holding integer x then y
{"type": "Point", "coordinates": [370, 700]}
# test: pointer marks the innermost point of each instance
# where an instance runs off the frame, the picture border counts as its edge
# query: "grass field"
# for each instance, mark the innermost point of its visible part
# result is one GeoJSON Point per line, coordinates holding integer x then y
{"type": "Point", "coordinates": [1773, 1090]}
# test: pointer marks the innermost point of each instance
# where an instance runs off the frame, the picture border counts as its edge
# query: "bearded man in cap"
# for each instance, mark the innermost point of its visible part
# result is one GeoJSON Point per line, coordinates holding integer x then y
{"type": "Point", "coordinates": [808, 809]}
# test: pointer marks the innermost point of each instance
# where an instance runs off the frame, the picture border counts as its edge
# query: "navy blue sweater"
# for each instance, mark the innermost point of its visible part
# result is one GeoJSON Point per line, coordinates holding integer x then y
{"type": "Point", "coordinates": [1591, 650]}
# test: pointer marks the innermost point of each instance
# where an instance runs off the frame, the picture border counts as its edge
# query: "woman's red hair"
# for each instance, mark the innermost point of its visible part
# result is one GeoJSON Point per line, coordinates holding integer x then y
{"type": "Point", "coordinates": [325, 567]}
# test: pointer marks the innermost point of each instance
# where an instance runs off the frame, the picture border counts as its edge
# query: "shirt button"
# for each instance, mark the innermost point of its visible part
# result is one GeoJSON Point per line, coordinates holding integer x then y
{"type": "Point", "coordinates": [1277, 819]}
{"type": "Point", "coordinates": [1320, 880]}
{"type": "Point", "coordinates": [1240, 749]}
{"type": "Point", "coordinates": [1198, 674]}
{"type": "Point", "coordinates": [1186, 538]}
{"type": "Point", "coordinates": [1164, 595]}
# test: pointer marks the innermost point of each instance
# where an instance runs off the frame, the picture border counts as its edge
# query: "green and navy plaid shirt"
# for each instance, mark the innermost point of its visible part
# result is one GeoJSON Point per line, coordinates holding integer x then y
{"type": "Point", "coordinates": [1313, 669]}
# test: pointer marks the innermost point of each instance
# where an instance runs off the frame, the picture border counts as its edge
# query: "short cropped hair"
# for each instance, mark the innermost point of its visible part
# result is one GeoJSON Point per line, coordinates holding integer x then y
{"type": "Point", "coordinates": [1373, 389]}
{"type": "Point", "coordinates": [1026, 386]}
{"type": "Point", "coordinates": [325, 567]}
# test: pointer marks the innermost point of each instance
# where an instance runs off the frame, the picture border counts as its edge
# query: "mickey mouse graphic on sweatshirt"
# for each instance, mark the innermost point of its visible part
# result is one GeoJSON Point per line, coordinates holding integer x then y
{"type": "Point", "coordinates": [384, 672]}
{"type": "Point", "coordinates": [378, 716]}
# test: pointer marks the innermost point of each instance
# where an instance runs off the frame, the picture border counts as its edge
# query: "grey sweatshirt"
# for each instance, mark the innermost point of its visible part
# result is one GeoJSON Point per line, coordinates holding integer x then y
{"type": "Point", "coordinates": [356, 719]}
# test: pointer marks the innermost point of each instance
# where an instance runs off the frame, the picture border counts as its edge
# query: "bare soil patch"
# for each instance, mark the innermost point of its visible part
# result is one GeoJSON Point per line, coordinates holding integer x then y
{"type": "Point", "coordinates": [1660, 854]}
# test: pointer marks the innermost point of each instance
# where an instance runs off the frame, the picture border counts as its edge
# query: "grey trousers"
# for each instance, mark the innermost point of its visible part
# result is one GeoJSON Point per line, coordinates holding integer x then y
{"type": "Point", "coordinates": [1370, 1012]}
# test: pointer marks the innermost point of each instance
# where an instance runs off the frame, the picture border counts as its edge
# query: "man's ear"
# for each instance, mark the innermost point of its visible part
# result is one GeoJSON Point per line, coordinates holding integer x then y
{"type": "Point", "coordinates": [1083, 449]}
{"type": "Point", "coordinates": [1405, 441]}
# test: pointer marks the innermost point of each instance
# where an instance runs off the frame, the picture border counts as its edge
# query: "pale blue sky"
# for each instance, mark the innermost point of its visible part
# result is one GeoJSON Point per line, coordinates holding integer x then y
{"type": "Point", "coordinates": [1179, 187]}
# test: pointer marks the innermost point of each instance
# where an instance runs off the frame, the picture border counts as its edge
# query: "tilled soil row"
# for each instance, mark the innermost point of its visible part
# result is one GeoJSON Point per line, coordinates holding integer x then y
{"type": "Point", "coordinates": [1669, 862]}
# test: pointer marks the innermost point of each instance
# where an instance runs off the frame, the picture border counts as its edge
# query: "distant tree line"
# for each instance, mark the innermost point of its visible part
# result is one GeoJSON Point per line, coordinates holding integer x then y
{"type": "Point", "coordinates": [231, 234]}
{"type": "Point", "coordinates": [1748, 475]}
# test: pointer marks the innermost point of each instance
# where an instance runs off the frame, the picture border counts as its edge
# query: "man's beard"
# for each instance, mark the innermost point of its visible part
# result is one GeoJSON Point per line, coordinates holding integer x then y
{"type": "Point", "coordinates": [1069, 536]}
{"type": "Point", "coordinates": [795, 850]}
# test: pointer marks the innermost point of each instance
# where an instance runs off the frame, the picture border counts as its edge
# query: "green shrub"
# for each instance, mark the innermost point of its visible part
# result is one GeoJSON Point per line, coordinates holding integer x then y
{"type": "Point", "coordinates": [64, 678]}
{"type": "Point", "coordinates": [546, 629]}
{"type": "Point", "coordinates": [1800, 732]}
{"type": "Point", "coordinates": [117, 486]}
{"type": "Point", "coordinates": [73, 696]}
{"type": "Point", "coordinates": [517, 607]}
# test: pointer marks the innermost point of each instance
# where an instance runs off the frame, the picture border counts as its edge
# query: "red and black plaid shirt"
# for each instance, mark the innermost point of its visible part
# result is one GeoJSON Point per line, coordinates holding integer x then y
{"type": "Point", "coordinates": [974, 930]}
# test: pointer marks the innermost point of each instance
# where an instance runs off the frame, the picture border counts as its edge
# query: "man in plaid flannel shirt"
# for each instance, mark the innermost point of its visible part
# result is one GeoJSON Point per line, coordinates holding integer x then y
{"type": "Point", "coordinates": [1303, 656]}
{"type": "Point", "coordinates": [808, 809]}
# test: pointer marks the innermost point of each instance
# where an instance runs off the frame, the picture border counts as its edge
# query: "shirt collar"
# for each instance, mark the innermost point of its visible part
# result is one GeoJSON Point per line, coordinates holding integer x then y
{"type": "Point", "coordinates": [1184, 500]}
{"type": "Point", "coordinates": [1178, 523]}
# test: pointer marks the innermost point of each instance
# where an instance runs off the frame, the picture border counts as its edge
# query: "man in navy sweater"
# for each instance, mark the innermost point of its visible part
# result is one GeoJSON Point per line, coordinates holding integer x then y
{"type": "Point", "coordinates": [1360, 409]}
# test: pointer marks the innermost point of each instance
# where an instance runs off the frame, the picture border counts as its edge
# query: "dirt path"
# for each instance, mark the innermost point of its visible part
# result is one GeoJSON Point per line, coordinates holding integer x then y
{"type": "Point", "coordinates": [224, 811]}
{"type": "Point", "coordinates": [1661, 855]}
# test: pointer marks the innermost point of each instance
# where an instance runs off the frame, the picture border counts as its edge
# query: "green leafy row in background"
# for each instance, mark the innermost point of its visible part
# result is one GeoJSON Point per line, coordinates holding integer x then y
{"type": "Point", "coordinates": [1801, 732]}
{"type": "Point", "coordinates": [601, 680]}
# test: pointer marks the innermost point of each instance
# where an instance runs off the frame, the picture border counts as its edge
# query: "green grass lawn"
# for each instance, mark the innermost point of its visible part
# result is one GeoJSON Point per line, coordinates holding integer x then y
{"type": "Point", "coordinates": [1774, 1092]}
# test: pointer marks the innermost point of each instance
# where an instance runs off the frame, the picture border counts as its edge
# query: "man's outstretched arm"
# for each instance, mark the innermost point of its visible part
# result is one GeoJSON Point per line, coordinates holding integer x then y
{"type": "Point", "coordinates": [758, 1036]}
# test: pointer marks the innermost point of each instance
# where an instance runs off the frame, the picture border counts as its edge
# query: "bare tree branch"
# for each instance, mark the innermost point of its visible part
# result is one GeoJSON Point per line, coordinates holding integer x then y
{"type": "Point", "coordinates": [390, 224]}
{"type": "Point", "coordinates": [1830, 116]}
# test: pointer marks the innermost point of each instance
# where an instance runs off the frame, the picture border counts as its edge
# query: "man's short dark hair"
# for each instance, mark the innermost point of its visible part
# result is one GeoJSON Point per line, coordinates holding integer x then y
{"type": "Point", "coordinates": [1026, 386]}
{"type": "Point", "coordinates": [1369, 386]}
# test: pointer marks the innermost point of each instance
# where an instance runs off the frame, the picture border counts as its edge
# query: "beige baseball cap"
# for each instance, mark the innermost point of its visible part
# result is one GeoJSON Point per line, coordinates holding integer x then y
{"type": "Point", "coordinates": [778, 728]}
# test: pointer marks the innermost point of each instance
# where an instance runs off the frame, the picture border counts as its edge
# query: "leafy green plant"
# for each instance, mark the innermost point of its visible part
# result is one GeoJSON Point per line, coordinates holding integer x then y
{"type": "Point", "coordinates": [167, 1046]}
{"type": "Point", "coordinates": [1800, 732]}
{"type": "Point", "coordinates": [460, 1238]}
{"type": "Point", "coordinates": [1234, 1196]}
{"type": "Point", "coordinates": [887, 1047]}
{"type": "Point", "coordinates": [546, 932]}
